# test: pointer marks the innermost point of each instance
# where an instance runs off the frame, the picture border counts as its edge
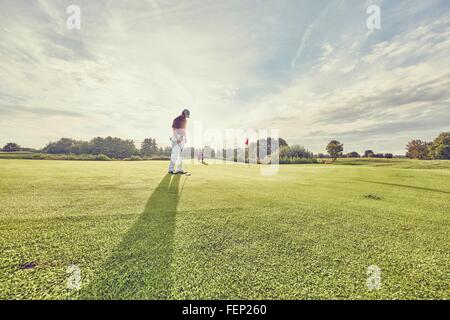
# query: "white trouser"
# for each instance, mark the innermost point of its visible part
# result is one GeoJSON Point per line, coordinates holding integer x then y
{"type": "Point", "coordinates": [176, 162]}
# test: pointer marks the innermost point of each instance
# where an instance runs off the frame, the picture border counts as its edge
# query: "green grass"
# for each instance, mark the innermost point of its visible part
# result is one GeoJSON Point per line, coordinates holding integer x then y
{"type": "Point", "coordinates": [16, 155]}
{"type": "Point", "coordinates": [309, 232]}
{"type": "Point", "coordinates": [397, 163]}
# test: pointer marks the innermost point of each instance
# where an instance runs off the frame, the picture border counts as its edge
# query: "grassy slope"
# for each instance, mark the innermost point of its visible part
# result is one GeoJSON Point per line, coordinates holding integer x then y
{"type": "Point", "coordinates": [226, 232]}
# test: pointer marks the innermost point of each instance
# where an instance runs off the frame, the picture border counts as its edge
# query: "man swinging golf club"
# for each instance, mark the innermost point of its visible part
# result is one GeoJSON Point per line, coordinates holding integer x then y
{"type": "Point", "coordinates": [178, 140]}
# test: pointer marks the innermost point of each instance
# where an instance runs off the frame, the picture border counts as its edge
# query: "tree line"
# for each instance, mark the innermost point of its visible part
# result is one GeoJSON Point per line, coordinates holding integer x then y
{"type": "Point", "coordinates": [111, 147]}
{"type": "Point", "coordinates": [335, 150]}
{"type": "Point", "coordinates": [438, 149]}
{"type": "Point", "coordinates": [117, 148]}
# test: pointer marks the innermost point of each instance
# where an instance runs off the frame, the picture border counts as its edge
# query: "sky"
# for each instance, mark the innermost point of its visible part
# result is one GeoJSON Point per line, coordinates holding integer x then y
{"type": "Point", "coordinates": [311, 69]}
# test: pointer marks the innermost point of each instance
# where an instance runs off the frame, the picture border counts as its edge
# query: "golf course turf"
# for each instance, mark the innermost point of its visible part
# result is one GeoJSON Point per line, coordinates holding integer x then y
{"type": "Point", "coordinates": [226, 232]}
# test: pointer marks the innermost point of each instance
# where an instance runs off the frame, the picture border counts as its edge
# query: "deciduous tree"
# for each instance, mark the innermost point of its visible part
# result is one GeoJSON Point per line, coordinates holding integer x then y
{"type": "Point", "coordinates": [417, 149]}
{"type": "Point", "coordinates": [440, 148]}
{"type": "Point", "coordinates": [149, 147]}
{"type": "Point", "coordinates": [11, 147]}
{"type": "Point", "coordinates": [334, 149]}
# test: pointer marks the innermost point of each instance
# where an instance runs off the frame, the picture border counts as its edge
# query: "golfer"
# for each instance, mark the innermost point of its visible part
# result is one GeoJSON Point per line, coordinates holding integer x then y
{"type": "Point", "coordinates": [178, 140]}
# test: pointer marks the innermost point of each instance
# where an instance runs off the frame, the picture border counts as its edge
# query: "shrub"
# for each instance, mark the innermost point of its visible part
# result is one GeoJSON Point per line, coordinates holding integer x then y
{"type": "Point", "coordinates": [160, 158]}
{"type": "Point", "coordinates": [109, 146]}
{"type": "Point", "coordinates": [102, 157]}
{"type": "Point", "coordinates": [133, 158]}
{"type": "Point", "coordinates": [353, 154]}
{"type": "Point", "coordinates": [378, 155]}
{"type": "Point", "coordinates": [295, 151]}
{"type": "Point", "coordinates": [297, 160]}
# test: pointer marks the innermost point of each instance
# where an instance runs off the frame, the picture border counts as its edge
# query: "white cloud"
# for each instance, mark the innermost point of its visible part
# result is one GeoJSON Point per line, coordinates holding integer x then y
{"type": "Point", "coordinates": [398, 86]}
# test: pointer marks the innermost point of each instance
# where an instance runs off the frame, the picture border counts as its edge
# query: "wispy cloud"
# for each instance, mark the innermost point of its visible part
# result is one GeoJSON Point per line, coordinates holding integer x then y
{"type": "Point", "coordinates": [323, 13]}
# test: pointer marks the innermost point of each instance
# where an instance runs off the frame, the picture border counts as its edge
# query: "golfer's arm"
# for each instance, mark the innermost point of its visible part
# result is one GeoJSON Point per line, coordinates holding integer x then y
{"type": "Point", "coordinates": [174, 131]}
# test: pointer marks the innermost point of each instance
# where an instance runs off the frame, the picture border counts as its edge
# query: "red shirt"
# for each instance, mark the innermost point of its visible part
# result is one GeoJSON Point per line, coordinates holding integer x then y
{"type": "Point", "coordinates": [179, 122]}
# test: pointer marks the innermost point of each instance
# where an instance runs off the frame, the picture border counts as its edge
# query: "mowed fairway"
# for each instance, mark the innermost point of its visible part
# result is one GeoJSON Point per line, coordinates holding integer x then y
{"type": "Point", "coordinates": [226, 232]}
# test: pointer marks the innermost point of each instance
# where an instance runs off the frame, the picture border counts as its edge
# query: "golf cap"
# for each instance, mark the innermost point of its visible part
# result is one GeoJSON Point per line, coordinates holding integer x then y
{"type": "Point", "coordinates": [186, 112]}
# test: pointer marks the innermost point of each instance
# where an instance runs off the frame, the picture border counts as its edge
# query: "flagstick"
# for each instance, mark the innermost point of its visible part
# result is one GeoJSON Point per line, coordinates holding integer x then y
{"type": "Point", "coordinates": [247, 152]}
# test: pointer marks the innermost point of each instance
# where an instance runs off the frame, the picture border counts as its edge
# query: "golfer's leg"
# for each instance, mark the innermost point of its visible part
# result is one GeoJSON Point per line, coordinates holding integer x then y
{"type": "Point", "coordinates": [180, 158]}
{"type": "Point", "coordinates": [173, 156]}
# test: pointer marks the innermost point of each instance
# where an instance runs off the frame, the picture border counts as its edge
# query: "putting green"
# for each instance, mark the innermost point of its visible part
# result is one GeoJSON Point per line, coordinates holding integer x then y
{"type": "Point", "coordinates": [310, 231]}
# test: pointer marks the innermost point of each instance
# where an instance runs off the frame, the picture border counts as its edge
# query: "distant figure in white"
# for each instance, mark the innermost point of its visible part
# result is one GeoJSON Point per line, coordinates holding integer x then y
{"type": "Point", "coordinates": [178, 140]}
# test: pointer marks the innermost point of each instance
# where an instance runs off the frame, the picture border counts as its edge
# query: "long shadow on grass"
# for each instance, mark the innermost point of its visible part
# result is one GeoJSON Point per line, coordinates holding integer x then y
{"type": "Point", "coordinates": [139, 268]}
{"type": "Point", "coordinates": [404, 186]}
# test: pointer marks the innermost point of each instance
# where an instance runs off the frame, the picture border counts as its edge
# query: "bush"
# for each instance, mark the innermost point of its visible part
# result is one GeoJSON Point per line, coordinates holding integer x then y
{"type": "Point", "coordinates": [71, 156]}
{"type": "Point", "coordinates": [41, 156]}
{"type": "Point", "coordinates": [111, 147]}
{"type": "Point", "coordinates": [295, 151]}
{"type": "Point", "coordinates": [158, 158]}
{"type": "Point", "coordinates": [133, 158]}
{"type": "Point", "coordinates": [323, 156]}
{"type": "Point", "coordinates": [378, 155]}
{"type": "Point", "coordinates": [102, 157]}
{"type": "Point", "coordinates": [45, 156]}
{"type": "Point", "coordinates": [353, 154]}
{"type": "Point", "coordinates": [297, 160]}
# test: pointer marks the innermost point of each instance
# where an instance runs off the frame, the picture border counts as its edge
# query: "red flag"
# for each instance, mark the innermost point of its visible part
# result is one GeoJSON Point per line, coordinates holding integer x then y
{"type": "Point", "coordinates": [246, 142]}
